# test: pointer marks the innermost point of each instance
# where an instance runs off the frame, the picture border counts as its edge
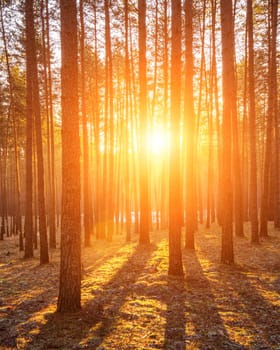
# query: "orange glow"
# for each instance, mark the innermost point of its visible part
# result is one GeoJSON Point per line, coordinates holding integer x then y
{"type": "Point", "coordinates": [157, 141]}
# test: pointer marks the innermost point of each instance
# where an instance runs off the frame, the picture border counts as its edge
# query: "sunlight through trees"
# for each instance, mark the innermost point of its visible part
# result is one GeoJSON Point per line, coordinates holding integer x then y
{"type": "Point", "coordinates": [125, 118]}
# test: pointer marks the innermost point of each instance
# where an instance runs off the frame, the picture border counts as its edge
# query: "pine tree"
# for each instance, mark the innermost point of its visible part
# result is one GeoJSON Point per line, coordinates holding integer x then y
{"type": "Point", "coordinates": [69, 298]}
{"type": "Point", "coordinates": [175, 199]}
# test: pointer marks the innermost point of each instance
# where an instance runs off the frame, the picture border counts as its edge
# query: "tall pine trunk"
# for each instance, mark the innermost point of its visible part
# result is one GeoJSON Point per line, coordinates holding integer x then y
{"type": "Point", "coordinates": [111, 144]}
{"type": "Point", "coordinates": [144, 189]}
{"type": "Point", "coordinates": [86, 208]}
{"type": "Point", "coordinates": [28, 224]}
{"type": "Point", "coordinates": [69, 298]}
{"type": "Point", "coordinates": [272, 81]}
{"type": "Point", "coordinates": [175, 196]}
{"type": "Point", "coordinates": [227, 255]}
{"type": "Point", "coordinates": [189, 116]}
{"type": "Point", "coordinates": [253, 199]}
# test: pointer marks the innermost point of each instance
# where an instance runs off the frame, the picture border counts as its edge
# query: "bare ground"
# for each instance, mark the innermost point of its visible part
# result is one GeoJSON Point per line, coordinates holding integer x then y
{"type": "Point", "coordinates": [129, 302]}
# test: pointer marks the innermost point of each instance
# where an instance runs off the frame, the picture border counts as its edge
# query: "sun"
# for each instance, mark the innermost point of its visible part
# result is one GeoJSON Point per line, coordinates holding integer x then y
{"type": "Point", "coordinates": [157, 141]}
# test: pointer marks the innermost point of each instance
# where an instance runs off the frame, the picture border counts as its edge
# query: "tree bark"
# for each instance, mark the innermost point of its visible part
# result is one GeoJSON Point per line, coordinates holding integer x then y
{"type": "Point", "coordinates": [189, 116]}
{"type": "Point", "coordinates": [144, 190]}
{"type": "Point", "coordinates": [175, 197]}
{"type": "Point", "coordinates": [28, 224]}
{"type": "Point", "coordinates": [252, 122]}
{"type": "Point", "coordinates": [227, 254]}
{"type": "Point", "coordinates": [69, 298]}
{"type": "Point", "coordinates": [87, 231]}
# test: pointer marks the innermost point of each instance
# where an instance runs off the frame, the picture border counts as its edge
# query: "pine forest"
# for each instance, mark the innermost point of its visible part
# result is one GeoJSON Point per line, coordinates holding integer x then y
{"type": "Point", "coordinates": [140, 174]}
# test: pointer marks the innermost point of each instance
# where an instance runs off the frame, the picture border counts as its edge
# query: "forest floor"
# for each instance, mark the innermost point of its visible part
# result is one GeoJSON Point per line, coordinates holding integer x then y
{"type": "Point", "coordinates": [129, 302]}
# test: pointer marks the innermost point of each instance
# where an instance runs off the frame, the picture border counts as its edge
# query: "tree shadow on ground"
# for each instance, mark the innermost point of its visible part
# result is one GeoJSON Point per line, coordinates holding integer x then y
{"type": "Point", "coordinates": [104, 250]}
{"type": "Point", "coordinates": [205, 327]}
{"type": "Point", "coordinates": [248, 296]}
{"type": "Point", "coordinates": [192, 316]}
{"type": "Point", "coordinates": [20, 302]}
{"type": "Point", "coordinates": [260, 311]}
{"type": "Point", "coordinates": [88, 328]}
{"type": "Point", "coordinates": [20, 319]}
{"type": "Point", "coordinates": [175, 334]}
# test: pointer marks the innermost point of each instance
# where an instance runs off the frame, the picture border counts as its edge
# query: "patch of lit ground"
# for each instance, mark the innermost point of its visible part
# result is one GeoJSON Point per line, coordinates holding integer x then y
{"type": "Point", "coordinates": [129, 302]}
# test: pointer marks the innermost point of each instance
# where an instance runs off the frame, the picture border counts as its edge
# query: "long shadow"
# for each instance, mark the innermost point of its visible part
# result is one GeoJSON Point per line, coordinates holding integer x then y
{"type": "Point", "coordinates": [192, 316]}
{"type": "Point", "coordinates": [115, 250]}
{"type": "Point", "coordinates": [206, 327]}
{"type": "Point", "coordinates": [175, 335]}
{"type": "Point", "coordinates": [17, 284]}
{"type": "Point", "coordinates": [17, 316]}
{"type": "Point", "coordinates": [20, 300]}
{"type": "Point", "coordinates": [249, 304]}
{"type": "Point", "coordinates": [16, 321]}
{"type": "Point", "coordinates": [260, 311]}
{"type": "Point", "coordinates": [99, 315]}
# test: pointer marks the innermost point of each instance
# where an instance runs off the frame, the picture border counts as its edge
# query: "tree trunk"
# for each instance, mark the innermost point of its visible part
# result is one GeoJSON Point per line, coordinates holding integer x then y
{"type": "Point", "coordinates": [175, 199]}
{"type": "Point", "coordinates": [69, 298]}
{"type": "Point", "coordinates": [164, 179]}
{"type": "Point", "coordinates": [189, 116]}
{"type": "Point", "coordinates": [28, 224]}
{"type": "Point", "coordinates": [227, 255]}
{"type": "Point", "coordinates": [144, 189]}
{"type": "Point", "coordinates": [14, 126]}
{"type": "Point", "coordinates": [49, 104]}
{"type": "Point", "coordinates": [252, 122]}
{"type": "Point", "coordinates": [274, 83]}
{"type": "Point", "coordinates": [272, 79]}
{"type": "Point", "coordinates": [111, 144]}
{"type": "Point", "coordinates": [128, 123]}
{"type": "Point", "coordinates": [87, 231]}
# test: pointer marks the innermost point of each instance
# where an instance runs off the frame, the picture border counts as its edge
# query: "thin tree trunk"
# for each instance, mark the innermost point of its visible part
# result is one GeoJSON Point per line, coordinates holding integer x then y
{"type": "Point", "coordinates": [128, 125]}
{"type": "Point", "coordinates": [227, 254]}
{"type": "Point", "coordinates": [175, 198]}
{"type": "Point", "coordinates": [111, 145]}
{"type": "Point", "coordinates": [4, 212]}
{"type": "Point", "coordinates": [87, 232]}
{"type": "Point", "coordinates": [252, 120]}
{"type": "Point", "coordinates": [164, 178]}
{"type": "Point", "coordinates": [98, 210]}
{"type": "Point", "coordinates": [144, 189]}
{"type": "Point", "coordinates": [272, 74]}
{"type": "Point", "coordinates": [28, 224]}
{"type": "Point", "coordinates": [52, 209]}
{"type": "Point", "coordinates": [189, 116]}
{"type": "Point", "coordinates": [44, 255]}
{"type": "Point", "coordinates": [245, 135]}
{"type": "Point", "coordinates": [14, 127]}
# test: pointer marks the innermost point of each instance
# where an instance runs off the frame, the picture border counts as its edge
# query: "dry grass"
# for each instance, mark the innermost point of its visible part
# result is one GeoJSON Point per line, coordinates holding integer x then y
{"type": "Point", "coordinates": [129, 302]}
